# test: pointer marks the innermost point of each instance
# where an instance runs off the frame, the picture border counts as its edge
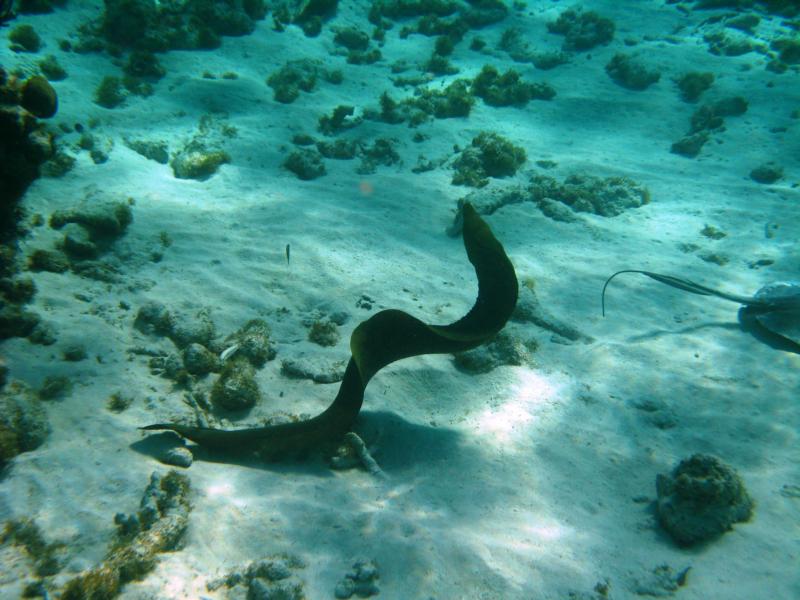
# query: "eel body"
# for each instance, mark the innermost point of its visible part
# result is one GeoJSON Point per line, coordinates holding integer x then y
{"type": "Point", "coordinates": [384, 338]}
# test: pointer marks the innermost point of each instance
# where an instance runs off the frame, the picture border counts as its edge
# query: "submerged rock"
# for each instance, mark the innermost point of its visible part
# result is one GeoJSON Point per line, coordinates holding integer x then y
{"type": "Point", "coordinates": [23, 421]}
{"type": "Point", "coordinates": [701, 499]}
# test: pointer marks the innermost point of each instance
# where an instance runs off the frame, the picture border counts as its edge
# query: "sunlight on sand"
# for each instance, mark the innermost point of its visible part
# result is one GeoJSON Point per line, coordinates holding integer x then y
{"type": "Point", "coordinates": [506, 423]}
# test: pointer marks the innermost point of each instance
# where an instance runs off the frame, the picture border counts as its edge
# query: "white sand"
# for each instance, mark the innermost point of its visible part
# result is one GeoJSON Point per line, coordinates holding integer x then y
{"type": "Point", "coordinates": [515, 484]}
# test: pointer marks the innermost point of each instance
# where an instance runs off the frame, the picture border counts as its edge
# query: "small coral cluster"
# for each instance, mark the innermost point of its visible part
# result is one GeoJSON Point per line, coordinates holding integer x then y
{"type": "Point", "coordinates": [23, 421]}
{"type": "Point", "coordinates": [201, 352]}
{"type": "Point", "coordinates": [361, 581]}
{"type": "Point", "coordinates": [89, 228]}
{"type": "Point", "coordinates": [701, 499]}
{"type": "Point", "coordinates": [265, 579]}
{"type": "Point", "coordinates": [157, 527]}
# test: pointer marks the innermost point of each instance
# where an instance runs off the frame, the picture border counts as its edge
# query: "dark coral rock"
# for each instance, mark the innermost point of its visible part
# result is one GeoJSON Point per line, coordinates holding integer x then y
{"type": "Point", "coordinates": [77, 242]}
{"type": "Point", "coordinates": [48, 260]}
{"type": "Point", "coordinates": [23, 421]}
{"type": "Point", "coordinates": [351, 38]}
{"type": "Point", "coordinates": [236, 388]}
{"type": "Point", "coordinates": [195, 162]}
{"type": "Point", "coordinates": [607, 197]}
{"type": "Point", "coordinates": [693, 84]}
{"type": "Point", "coordinates": [154, 318]}
{"type": "Point", "coordinates": [51, 68]}
{"type": "Point", "coordinates": [103, 220]}
{"type": "Point", "coordinates": [701, 499]}
{"type": "Point", "coordinates": [490, 155]}
{"type": "Point", "coordinates": [454, 101]}
{"type": "Point", "coordinates": [161, 26]}
{"type": "Point", "coordinates": [252, 341]}
{"type": "Point", "coordinates": [582, 30]}
{"type": "Point", "coordinates": [316, 9]}
{"type": "Point", "coordinates": [16, 321]}
{"type": "Point", "coordinates": [24, 147]}
{"type": "Point", "coordinates": [39, 98]}
{"type": "Point", "coordinates": [108, 92]}
{"type": "Point", "coordinates": [306, 164]}
{"type": "Point", "coordinates": [24, 38]}
{"type": "Point", "coordinates": [324, 333]}
{"type": "Point", "coordinates": [293, 77]}
{"type": "Point", "coordinates": [199, 360]}
{"type": "Point", "coordinates": [767, 173]}
{"type": "Point", "coordinates": [151, 149]}
{"type": "Point", "coordinates": [631, 74]}
{"type": "Point", "coordinates": [508, 88]}
{"type": "Point", "coordinates": [17, 291]}
{"type": "Point", "coordinates": [38, 7]}
{"type": "Point", "coordinates": [690, 145]}
{"type": "Point", "coordinates": [733, 106]}
{"type": "Point", "coordinates": [145, 65]}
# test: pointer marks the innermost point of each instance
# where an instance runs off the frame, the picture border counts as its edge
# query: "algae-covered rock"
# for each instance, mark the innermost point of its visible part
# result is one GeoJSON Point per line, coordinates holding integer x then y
{"type": "Point", "coordinates": [767, 173]}
{"type": "Point", "coordinates": [508, 88]}
{"type": "Point", "coordinates": [26, 534]}
{"type": "Point", "coordinates": [109, 93]}
{"type": "Point", "coordinates": [293, 77]}
{"type": "Point", "coordinates": [489, 155]}
{"type": "Point", "coordinates": [23, 421]}
{"type": "Point", "coordinates": [362, 580]}
{"type": "Point", "coordinates": [178, 457]}
{"type": "Point", "coordinates": [196, 328]}
{"type": "Point", "coordinates": [252, 342]}
{"type": "Point", "coordinates": [16, 321]}
{"type": "Point", "coordinates": [324, 333]}
{"type": "Point", "coordinates": [236, 388]}
{"type": "Point", "coordinates": [306, 164]}
{"type": "Point", "coordinates": [52, 69]}
{"type": "Point", "coordinates": [199, 360]}
{"type": "Point", "coordinates": [154, 318]}
{"type": "Point", "coordinates": [156, 150]}
{"type": "Point", "coordinates": [607, 197]}
{"type": "Point", "coordinates": [198, 163]}
{"type": "Point", "coordinates": [690, 145]}
{"type": "Point", "coordinates": [701, 499]}
{"type": "Point", "coordinates": [582, 30]}
{"type": "Point", "coordinates": [157, 527]}
{"type": "Point", "coordinates": [453, 101]}
{"type": "Point", "coordinates": [102, 219]}
{"type": "Point", "coordinates": [693, 84]}
{"type": "Point", "coordinates": [52, 261]}
{"type": "Point", "coordinates": [153, 26]}
{"type": "Point", "coordinates": [631, 74]}
{"type": "Point", "coordinates": [271, 578]}
{"type": "Point", "coordinates": [313, 368]}
{"type": "Point", "coordinates": [24, 38]}
{"type": "Point", "coordinates": [38, 97]}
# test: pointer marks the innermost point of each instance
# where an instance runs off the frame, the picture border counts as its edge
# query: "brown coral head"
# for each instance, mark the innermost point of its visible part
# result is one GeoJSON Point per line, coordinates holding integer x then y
{"type": "Point", "coordinates": [39, 98]}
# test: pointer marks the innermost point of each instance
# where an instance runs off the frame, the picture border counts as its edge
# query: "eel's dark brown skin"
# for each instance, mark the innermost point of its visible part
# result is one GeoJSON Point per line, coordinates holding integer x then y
{"type": "Point", "coordinates": [384, 338]}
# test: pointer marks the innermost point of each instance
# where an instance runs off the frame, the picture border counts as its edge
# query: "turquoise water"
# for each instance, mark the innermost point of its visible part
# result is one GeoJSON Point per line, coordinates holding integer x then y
{"type": "Point", "coordinates": [214, 211]}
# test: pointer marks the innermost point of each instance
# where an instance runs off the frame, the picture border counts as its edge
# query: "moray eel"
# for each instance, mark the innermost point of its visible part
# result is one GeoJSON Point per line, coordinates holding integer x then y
{"type": "Point", "coordinates": [384, 338]}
